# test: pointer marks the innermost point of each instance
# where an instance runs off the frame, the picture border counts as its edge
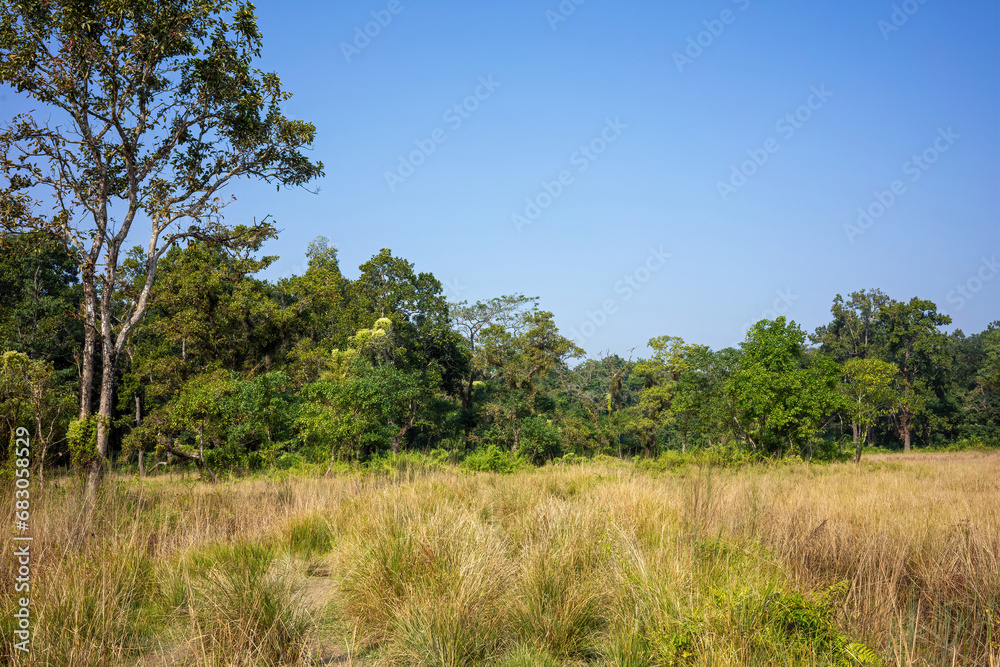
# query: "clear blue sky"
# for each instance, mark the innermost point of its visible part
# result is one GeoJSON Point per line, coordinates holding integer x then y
{"type": "Point", "coordinates": [865, 94]}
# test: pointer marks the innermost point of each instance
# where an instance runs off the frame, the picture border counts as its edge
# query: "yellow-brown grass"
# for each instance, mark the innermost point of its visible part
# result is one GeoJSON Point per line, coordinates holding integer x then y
{"type": "Point", "coordinates": [584, 564]}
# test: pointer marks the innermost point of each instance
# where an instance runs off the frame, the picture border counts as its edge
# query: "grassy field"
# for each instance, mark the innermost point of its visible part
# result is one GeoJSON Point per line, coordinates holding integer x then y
{"type": "Point", "coordinates": [895, 561]}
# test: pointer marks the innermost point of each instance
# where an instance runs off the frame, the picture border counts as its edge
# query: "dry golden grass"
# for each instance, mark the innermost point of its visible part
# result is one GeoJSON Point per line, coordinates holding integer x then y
{"type": "Point", "coordinates": [586, 564]}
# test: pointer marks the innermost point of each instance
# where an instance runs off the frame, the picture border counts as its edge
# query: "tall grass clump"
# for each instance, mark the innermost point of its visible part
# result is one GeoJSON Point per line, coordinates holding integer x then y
{"type": "Point", "coordinates": [425, 583]}
{"type": "Point", "coordinates": [562, 594]}
{"type": "Point", "coordinates": [241, 611]}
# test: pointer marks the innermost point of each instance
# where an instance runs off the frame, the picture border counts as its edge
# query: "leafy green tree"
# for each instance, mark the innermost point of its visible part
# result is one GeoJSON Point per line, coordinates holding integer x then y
{"type": "Point", "coordinates": [193, 425]}
{"type": "Point", "coordinates": [717, 415]}
{"type": "Point", "coordinates": [260, 413]}
{"type": "Point", "coordinates": [148, 111]}
{"type": "Point", "coordinates": [857, 331]}
{"type": "Point", "coordinates": [916, 345]}
{"type": "Point", "coordinates": [692, 392]}
{"type": "Point", "coordinates": [316, 300]}
{"type": "Point", "coordinates": [357, 408]}
{"type": "Point", "coordinates": [869, 394]}
{"type": "Point", "coordinates": [516, 357]}
{"type": "Point", "coordinates": [39, 299]}
{"type": "Point", "coordinates": [506, 311]}
{"type": "Point", "coordinates": [979, 385]}
{"type": "Point", "coordinates": [31, 393]}
{"type": "Point", "coordinates": [781, 405]}
{"type": "Point", "coordinates": [660, 375]}
{"type": "Point", "coordinates": [210, 310]}
{"type": "Point", "coordinates": [425, 342]}
{"type": "Point", "coordinates": [208, 313]}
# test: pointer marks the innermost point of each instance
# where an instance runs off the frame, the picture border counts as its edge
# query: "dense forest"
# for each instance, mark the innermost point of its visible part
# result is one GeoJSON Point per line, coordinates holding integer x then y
{"type": "Point", "coordinates": [232, 373]}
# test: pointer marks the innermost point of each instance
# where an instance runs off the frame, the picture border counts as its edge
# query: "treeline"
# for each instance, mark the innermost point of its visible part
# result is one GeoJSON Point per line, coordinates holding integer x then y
{"type": "Point", "coordinates": [231, 372]}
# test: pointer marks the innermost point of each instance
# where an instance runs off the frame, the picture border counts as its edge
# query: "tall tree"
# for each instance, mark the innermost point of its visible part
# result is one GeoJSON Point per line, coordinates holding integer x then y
{"type": "Point", "coordinates": [869, 394]}
{"type": "Point", "coordinates": [424, 341]}
{"type": "Point", "coordinates": [781, 404]}
{"type": "Point", "coordinates": [505, 311]}
{"type": "Point", "coordinates": [918, 347]}
{"type": "Point", "coordinates": [316, 300]}
{"type": "Point", "coordinates": [856, 332]}
{"type": "Point", "coordinates": [856, 329]}
{"type": "Point", "coordinates": [517, 357]}
{"type": "Point", "coordinates": [660, 375]}
{"type": "Point", "coordinates": [148, 111]}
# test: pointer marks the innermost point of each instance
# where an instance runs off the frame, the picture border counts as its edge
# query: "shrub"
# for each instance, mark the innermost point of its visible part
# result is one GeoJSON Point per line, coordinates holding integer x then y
{"type": "Point", "coordinates": [540, 441]}
{"type": "Point", "coordinates": [492, 459]}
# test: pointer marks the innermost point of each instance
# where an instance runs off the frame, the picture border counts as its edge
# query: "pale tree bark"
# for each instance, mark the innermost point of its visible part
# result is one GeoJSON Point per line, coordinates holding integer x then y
{"type": "Point", "coordinates": [131, 128]}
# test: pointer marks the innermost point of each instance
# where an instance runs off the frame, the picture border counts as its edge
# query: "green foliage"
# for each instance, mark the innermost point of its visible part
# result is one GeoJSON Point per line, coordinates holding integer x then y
{"type": "Point", "coordinates": [919, 349]}
{"type": "Point", "coordinates": [493, 459]}
{"type": "Point", "coordinates": [717, 457]}
{"type": "Point", "coordinates": [810, 620]}
{"type": "Point", "coordinates": [81, 436]}
{"type": "Point", "coordinates": [781, 403]}
{"type": "Point", "coordinates": [540, 440]}
{"type": "Point", "coordinates": [39, 294]}
{"type": "Point", "coordinates": [869, 393]}
{"type": "Point", "coordinates": [149, 113]}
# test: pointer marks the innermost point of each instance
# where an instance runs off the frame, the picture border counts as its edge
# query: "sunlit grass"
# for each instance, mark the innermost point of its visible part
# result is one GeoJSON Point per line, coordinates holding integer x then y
{"type": "Point", "coordinates": [895, 561]}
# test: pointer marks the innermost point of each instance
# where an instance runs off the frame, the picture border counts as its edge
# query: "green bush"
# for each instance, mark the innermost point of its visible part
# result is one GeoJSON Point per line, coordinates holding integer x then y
{"type": "Point", "coordinates": [540, 440]}
{"type": "Point", "coordinates": [81, 437]}
{"type": "Point", "coordinates": [808, 621]}
{"type": "Point", "coordinates": [492, 459]}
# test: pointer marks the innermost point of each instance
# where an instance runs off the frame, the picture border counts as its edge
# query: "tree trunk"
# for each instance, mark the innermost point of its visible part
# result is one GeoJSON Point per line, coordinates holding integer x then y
{"type": "Point", "coordinates": [87, 367]}
{"type": "Point", "coordinates": [398, 438]}
{"type": "Point", "coordinates": [905, 423]}
{"type": "Point", "coordinates": [854, 428]}
{"type": "Point", "coordinates": [142, 468]}
{"type": "Point", "coordinates": [201, 450]}
{"type": "Point", "coordinates": [89, 340]}
{"type": "Point", "coordinates": [104, 412]}
{"type": "Point", "coordinates": [467, 397]}
{"type": "Point", "coordinates": [199, 459]}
